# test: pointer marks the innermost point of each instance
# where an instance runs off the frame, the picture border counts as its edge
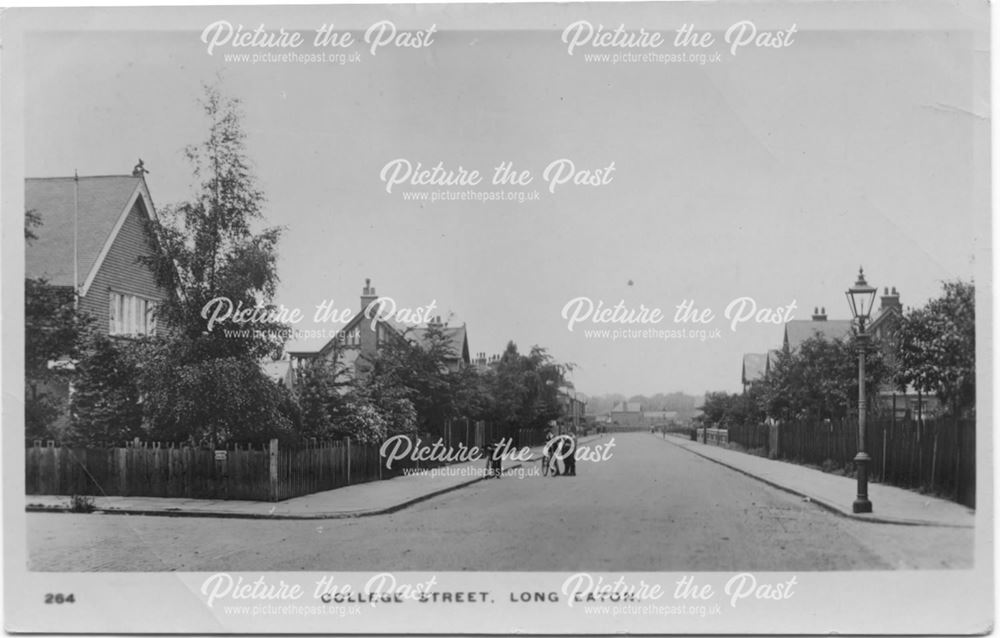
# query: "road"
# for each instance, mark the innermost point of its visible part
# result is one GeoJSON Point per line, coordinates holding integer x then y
{"type": "Point", "coordinates": [651, 507]}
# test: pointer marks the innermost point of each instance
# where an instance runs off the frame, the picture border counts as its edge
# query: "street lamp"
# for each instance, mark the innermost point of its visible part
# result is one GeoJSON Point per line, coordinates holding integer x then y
{"type": "Point", "coordinates": [861, 297]}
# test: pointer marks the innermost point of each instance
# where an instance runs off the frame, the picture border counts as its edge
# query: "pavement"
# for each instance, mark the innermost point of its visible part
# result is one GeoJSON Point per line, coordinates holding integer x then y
{"type": "Point", "coordinates": [893, 505]}
{"type": "Point", "coordinates": [352, 501]}
{"type": "Point", "coordinates": [645, 506]}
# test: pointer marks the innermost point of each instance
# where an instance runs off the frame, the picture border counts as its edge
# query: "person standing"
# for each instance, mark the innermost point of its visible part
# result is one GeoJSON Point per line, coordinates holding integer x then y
{"type": "Point", "coordinates": [570, 455]}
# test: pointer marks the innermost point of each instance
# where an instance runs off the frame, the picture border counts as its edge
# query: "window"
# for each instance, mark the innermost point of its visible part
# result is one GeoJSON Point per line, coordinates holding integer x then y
{"type": "Point", "coordinates": [131, 315]}
{"type": "Point", "coordinates": [351, 338]}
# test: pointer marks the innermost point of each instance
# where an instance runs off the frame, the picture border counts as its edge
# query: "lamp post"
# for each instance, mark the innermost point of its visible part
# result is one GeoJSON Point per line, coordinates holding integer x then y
{"type": "Point", "coordinates": [861, 296]}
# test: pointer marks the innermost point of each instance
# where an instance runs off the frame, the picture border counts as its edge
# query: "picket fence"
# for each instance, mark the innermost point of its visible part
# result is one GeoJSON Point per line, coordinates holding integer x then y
{"type": "Point", "coordinates": [937, 456]}
{"type": "Point", "coordinates": [237, 472]}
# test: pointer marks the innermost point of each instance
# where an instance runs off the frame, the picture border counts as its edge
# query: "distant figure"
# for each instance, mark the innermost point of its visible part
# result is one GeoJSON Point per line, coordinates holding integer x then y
{"type": "Point", "coordinates": [493, 461]}
{"type": "Point", "coordinates": [140, 169]}
{"type": "Point", "coordinates": [570, 461]}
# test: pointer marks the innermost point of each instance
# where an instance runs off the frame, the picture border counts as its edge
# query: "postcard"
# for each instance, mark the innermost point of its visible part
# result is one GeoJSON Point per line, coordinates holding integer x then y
{"type": "Point", "coordinates": [498, 318]}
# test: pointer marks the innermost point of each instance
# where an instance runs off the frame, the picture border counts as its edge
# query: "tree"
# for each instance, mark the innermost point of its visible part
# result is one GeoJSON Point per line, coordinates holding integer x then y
{"type": "Point", "coordinates": [525, 389]}
{"type": "Point", "coordinates": [819, 380]}
{"type": "Point", "coordinates": [321, 386]}
{"type": "Point", "coordinates": [53, 334]}
{"type": "Point", "coordinates": [722, 409]}
{"type": "Point", "coordinates": [105, 402]}
{"type": "Point", "coordinates": [937, 347]}
{"type": "Point", "coordinates": [208, 248]}
{"type": "Point", "coordinates": [209, 400]}
{"type": "Point", "coordinates": [418, 371]}
{"type": "Point", "coordinates": [199, 382]}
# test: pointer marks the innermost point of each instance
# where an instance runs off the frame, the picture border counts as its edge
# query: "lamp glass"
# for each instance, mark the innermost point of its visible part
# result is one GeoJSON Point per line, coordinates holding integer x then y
{"type": "Point", "coordinates": [861, 298]}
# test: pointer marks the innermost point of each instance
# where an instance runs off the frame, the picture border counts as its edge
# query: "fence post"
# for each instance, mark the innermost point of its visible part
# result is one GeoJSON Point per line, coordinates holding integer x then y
{"type": "Point", "coordinates": [937, 431]}
{"type": "Point", "coordinates": [272, 466]}
{"type": "Point", "coordinates": [349, 460]}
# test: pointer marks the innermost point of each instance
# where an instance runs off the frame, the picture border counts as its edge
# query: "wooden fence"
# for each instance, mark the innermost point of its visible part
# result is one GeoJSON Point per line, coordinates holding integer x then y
{"type": "Point", "coordinates": [756, 437]}
{"type": "Point", "coordinates": [261, 473]}
{"type": "Point", "coordinates": [937, 456]}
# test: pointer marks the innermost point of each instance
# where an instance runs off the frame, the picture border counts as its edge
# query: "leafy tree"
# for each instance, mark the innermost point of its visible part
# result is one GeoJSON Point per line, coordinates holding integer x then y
{"type": "Point", "coordinates": [722, 409]}
{"type": "Point", "coordinates": [938, 347]}
{"type": "Point", "coordinates": [53, 333]}
{"type": "Point", "coordinates": [819, 380]}
{"type": "Point", "coordinates": [418, 371]}
{"type": "Point", "coordinates": [209, 400]}
{"type": "Point", "coordinates": [197, 382]}
{"type": "Point", "coordinates": [525, 389]}
{"type": "Point", "coordinates": [105, 401]}
{"type": "Point", "coordinates": [209, 248]}
{"type": "Point", "coordinates": [321, 386]}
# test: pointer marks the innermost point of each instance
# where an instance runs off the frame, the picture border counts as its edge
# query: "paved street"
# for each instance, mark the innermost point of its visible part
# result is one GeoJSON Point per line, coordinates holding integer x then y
{"type": "Point", "coordinates": [652, 507]}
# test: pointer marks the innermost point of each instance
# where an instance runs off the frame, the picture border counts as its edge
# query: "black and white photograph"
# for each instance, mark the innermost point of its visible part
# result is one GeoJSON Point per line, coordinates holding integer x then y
{"type": "Point", "coordinates": [547, 318]}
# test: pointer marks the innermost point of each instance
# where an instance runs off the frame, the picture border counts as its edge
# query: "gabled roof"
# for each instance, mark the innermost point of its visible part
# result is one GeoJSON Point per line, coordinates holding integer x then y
{"type": "Point", "coordinates": [457, 337]}
{"type": "Point", "coordinates": [754, 366]}
{"type": "Point", "coordinates": [101, 204]}
{"type": "Point", "coordinates": [884, 315]}
{"type": "Point", "coordinates": [799, 330]}
{"type": "Point", "coordinates": [772, 360]}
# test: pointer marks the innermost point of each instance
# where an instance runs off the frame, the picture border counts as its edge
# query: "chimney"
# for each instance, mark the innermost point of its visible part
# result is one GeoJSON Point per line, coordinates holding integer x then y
{"type": "Point", "coordinates": [369, 339]}
{"type": "Point", "coordinates": [367, 294]}
{"type": "Point", "coordinates": [890, 300]}
{"type": "Point", "coordinates": [819, 314]}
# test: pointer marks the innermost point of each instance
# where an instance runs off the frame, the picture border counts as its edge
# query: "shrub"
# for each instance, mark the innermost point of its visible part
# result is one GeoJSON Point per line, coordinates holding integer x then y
{"type": "Point", "coordinates": [82, 504]}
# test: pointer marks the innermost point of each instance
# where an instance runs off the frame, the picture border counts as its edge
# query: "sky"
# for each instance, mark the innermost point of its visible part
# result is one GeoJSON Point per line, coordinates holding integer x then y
{"type": "Point", "coordinates": [771, 174]}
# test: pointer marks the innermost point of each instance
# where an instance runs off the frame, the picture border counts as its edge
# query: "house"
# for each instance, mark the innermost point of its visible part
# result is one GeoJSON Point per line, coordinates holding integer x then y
{"type": "Point", "coordinates": [884, 331]}
{"type": "Point", "coordinates": [753, 369]}
{"type": "Point", "coordinates": [358, 343]}
{"type": "Point", "coordinates": [797, 331]}
{"type": "Point", "coordinates": [484, 363]}
{"type": "Point", "coordinates": [456, 338]}
{"type": "Point", "coordinates": [771, 361]}
{"type": "Point", "coordinates": [574, 408]}
{"type": "Point", "coordinates": [627, 413]}
{"type": "Point", "coordinates": [92, 236]}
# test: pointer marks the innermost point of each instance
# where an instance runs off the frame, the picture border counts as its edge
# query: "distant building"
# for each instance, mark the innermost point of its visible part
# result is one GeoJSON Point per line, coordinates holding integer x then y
{"type": "Point", "coordinates": [884, 330]}
{"type": "Point", "coordinates": [771, 361]}
{"type": "Point", "coordinates": [798, 331]}
{"type": "Point", "coordinates": [660, 417]}
{"type": "Point", "coordinates": [483, 363]}
{"type": "Point", "coordinates": [358, 343]}
{"type": "Point", "coordinates": [627, 414]}
{"type": "Point", "coordinates": [574, 409]}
